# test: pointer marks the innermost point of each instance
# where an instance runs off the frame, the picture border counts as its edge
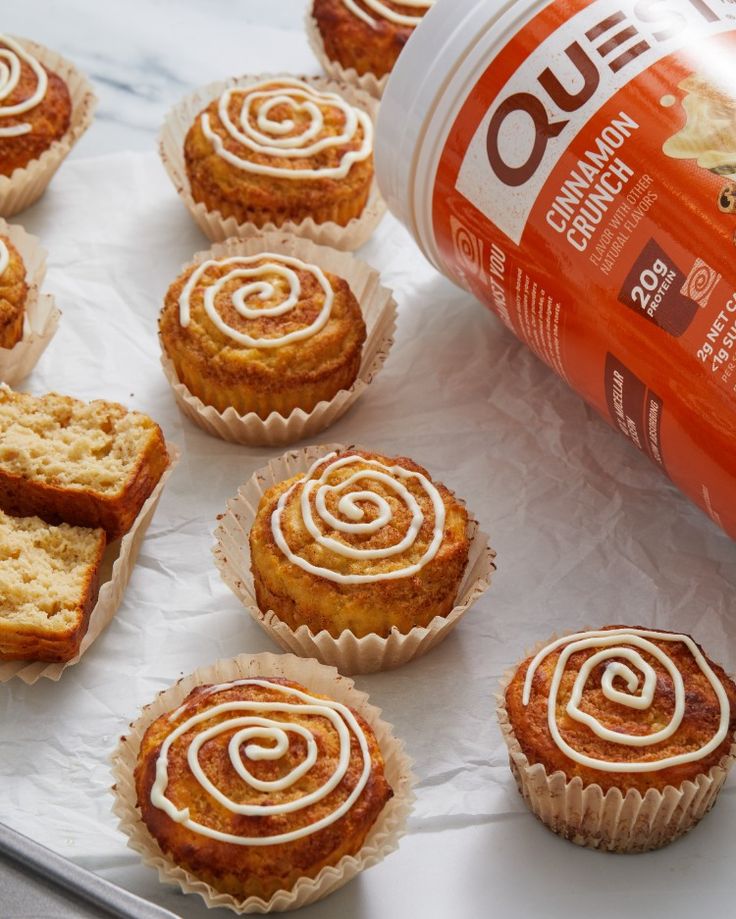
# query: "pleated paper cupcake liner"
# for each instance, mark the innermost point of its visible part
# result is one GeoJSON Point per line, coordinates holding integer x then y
{"type": "Point", "coordinates": [218, 228]}
{"type": "Point", "coordinates": [367, 82]}
{"type": "Point", "coordinates": [349, 653]}
{"type": "Point", "coordinates": [379, 312]}
{"type": "Point", "coordinates": [41, 314]}
{"type": "Point", "coordinates": [25, 185]}
{"type": "Point", "coordinates": [611, 821]}
{"type": "Point", "coordinates": [382, 839]}
{"type": "Point", "coordinates": [117, 567]}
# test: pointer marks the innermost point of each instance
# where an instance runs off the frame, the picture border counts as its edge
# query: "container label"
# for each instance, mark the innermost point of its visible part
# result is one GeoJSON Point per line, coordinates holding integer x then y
{"type": "Point", "coordinates": [556, 90]}
{"type": "Point", "coordinates": [656, 289]}
{"type": "Point", "coordinates": [587, 193]}
{"type": "Point", "coordinates": [635, 410]}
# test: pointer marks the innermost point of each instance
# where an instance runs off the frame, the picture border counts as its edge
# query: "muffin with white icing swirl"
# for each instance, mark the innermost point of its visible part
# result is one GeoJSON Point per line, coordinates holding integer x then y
{"type": "Point", "coordinates": [367, 35]}
{"type": "Point", "coordinates": [620, 738]}
{"type": "Point", "coordinates": [253, 784]}
{"type": "Point", "coordinates": [35, 106]}
{"type": "Point", "coordinates": [13, 294]}
{"type": "Point", "coordinates": [281, 150]}
{"type": "Point", "coordinates": [363, 543]}
{"type": "Point", "coordinates": [262, 333]}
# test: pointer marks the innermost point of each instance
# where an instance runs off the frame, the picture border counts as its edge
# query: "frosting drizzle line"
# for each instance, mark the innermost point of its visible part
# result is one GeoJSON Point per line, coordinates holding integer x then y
{"type": "Point", "coordinates": [11, 56]}
{"type": "Point", "coordinates": [257, 281]}
{"type": "Point", "coordinates": [271, 137]}
{"type": "Point", "coordinates": [348, 506]}
{"type": "Point", "coordinates": [617, 645]}
{"type": "Point", "coordinates": [254, 723]}
{"type": "Point", "coordinates": [386, 12]}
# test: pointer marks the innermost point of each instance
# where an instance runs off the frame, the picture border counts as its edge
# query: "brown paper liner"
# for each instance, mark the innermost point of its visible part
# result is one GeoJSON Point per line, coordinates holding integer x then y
{"type": "Point", "coordinates": [117, 566]}
{"type": "Point", "coordinates": [218, 228]}
{"type": "Point", "coordinates": [382, 839]}
{"type": "Point", "coordinates": [24, 186]}
{"type": "Point", "coordinates": [41, 314]}
{"type": "Point", "coordinates": [379, 311]}
{"type": "Point", "coordinates": [611, 821]}
{"type": "Point", "coordinates": [367, 82]}
{"type": "Point", "coordinates": [348, 653]}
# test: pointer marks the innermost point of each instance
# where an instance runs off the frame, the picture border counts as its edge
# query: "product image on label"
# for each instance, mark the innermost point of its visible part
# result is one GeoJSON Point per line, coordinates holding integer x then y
{"type": "Point", "coordinates": [708, 136]}
{"type": "Point", "coordinates": [709, 133]}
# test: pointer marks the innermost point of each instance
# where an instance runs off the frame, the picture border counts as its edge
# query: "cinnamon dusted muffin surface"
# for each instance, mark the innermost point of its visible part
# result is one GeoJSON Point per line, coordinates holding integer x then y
{"type": "Point", "coordinates": [616, 702]}
{"type": "Point", "coordinates": [367, 35]}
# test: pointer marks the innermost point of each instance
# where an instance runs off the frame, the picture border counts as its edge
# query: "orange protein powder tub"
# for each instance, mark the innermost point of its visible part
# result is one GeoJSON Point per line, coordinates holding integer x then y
{"type": "Point", "coordinates": [573, 165]}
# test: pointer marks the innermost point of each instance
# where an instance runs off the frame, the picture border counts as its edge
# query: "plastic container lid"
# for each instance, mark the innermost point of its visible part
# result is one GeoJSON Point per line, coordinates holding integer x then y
{"type": "Point", "coordinates": [433, 76]}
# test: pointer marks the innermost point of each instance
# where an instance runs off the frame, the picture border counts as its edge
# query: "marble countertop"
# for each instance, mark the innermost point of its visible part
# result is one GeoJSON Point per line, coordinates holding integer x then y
{"type": "Point", "coordinates": [144, 55]}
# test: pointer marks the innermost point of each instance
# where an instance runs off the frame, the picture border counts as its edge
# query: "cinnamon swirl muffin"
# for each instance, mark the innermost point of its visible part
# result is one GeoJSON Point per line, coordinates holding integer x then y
{"type": "Point", "coordinates": [253, 784]}
{"type": "Point", "coordinates": [262, 333]}
{"type": "Point", "coordinates": [13, 294]}
{"type": "Point", "coordinates": [281, 150]}
{"type": "Point", "coordinates": [620, 738]}
{"type": "Point", "coordinates": [35, 106]}
{"type": "Point", "coordinates": [361, 542]}
{"type": "Point", "coordinates": [367, 35]}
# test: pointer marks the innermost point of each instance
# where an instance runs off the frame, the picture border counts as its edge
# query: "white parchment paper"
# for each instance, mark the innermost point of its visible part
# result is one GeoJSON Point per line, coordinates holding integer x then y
{"type": "Point", "coordinates": [587, 533]}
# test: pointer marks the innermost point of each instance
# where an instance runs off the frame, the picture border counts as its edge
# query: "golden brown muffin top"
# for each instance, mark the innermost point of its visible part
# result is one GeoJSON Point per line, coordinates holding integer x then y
{"type": "Point", "coordinates": [26, 134]}
{"type": "Point", "coordinates": [368, 35]}
{"type": "Point", "coordinates": [13, 287]}
{"type": "Point", "coordinates": [281, 129]}
{"type": "Point", "coordinates": [268, 318]}
{"type": "Point", "coordinates": [370, 518]}
{"type": "Point", "coordinates": [642, 683]}
{"type": "Point", "coordinates": [270, 747]}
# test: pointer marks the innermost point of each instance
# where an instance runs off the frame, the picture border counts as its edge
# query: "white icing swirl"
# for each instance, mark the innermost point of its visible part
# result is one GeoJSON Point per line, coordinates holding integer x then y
{"type": "Point", "coordinates": [349, 506]}
{"type": "Point", "coordinates": [617, 646]}
{"type": "Point", "coordinates": [260, 134]}
{"type": "Point", "coordinates": [11, 57]}
{"type": "Point", "coordinates": [259, 284]}
{"type": "Point", "coordinates": [386, 12]}
{"type": "Point", "coordinates": [4, 257]}
{"type": "Point", "coordinates": [256, 724]}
